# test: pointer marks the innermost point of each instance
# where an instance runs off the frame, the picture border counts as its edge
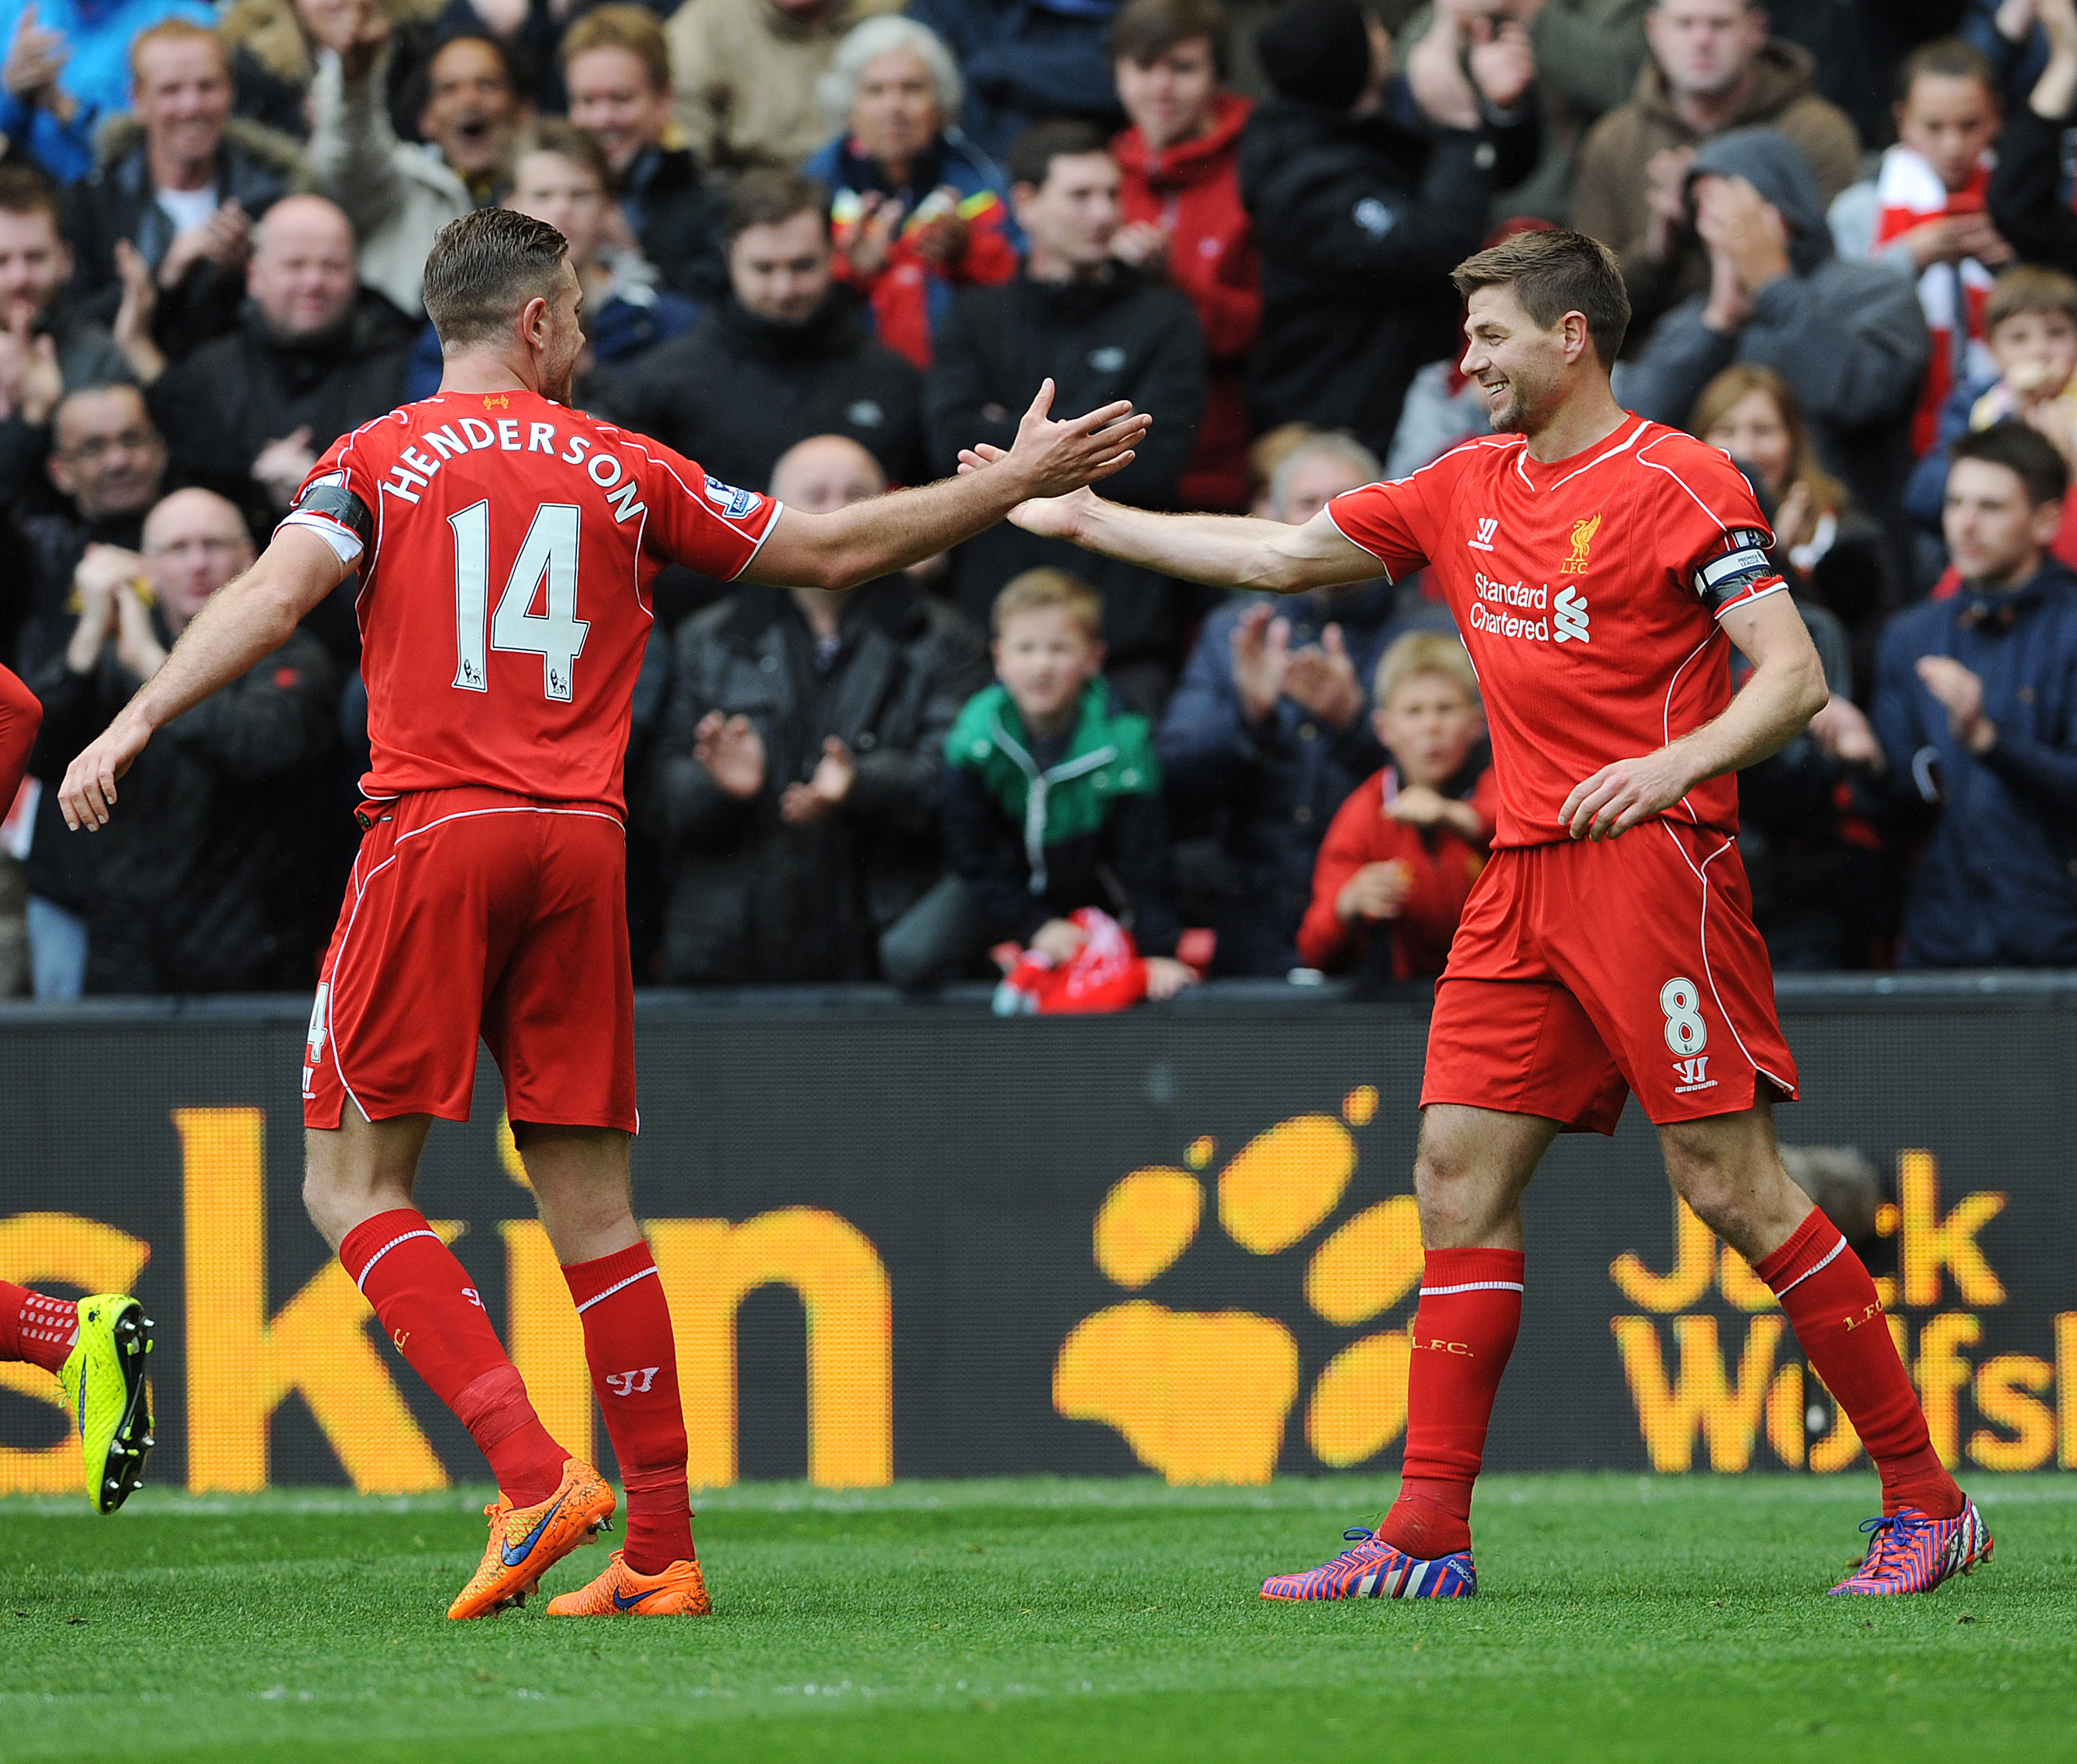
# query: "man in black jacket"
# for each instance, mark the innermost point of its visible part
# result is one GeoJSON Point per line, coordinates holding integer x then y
{"type": "Point", "coordinates": [209, 884]}
{"type": "Point", "coordinates": [794, 786]}
{"type": "Point", "coordinates": [315, 355]}
{"type": "Point", "coordinates": [1362, 205]}
{"type": "Point", "coordinates": [616, 69]}
{"type": "Point", "coordinates": [1100, 331]}
{"type": "Point", "coordinates": [166, 217]}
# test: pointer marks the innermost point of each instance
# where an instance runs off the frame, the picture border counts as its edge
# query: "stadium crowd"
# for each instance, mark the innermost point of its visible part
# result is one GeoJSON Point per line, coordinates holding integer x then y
{"type": "Point", "coordinates": [826, 244]}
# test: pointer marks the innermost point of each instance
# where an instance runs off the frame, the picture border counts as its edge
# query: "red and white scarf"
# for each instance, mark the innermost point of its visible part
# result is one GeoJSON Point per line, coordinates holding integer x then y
{"type": "Point", "coordinates": [1909, 193]}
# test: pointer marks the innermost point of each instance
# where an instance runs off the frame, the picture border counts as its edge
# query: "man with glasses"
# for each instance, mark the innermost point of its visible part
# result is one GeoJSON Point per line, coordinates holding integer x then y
{"type": "Point", "coordinates": [211, 883]}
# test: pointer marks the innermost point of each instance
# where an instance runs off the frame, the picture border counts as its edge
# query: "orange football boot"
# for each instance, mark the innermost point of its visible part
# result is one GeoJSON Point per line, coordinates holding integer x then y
{"type": "Point", "coordinates": [679, 1591]}
{"type": "Point", "coordinates": [526, 1541]}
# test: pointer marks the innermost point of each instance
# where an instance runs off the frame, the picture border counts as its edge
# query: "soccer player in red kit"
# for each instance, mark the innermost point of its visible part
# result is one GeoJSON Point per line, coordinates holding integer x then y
{"type": "Point", "coordinates": [504, 545]}
{"type": "Point", "coordinates": [1600, 567]}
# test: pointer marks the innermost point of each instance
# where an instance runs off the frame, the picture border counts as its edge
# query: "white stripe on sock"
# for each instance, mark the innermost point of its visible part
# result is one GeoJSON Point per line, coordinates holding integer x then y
{"type": "Point", "coordinates": [1824, 1260]}
{"type": "Point", "coordinates": [1484, 1286]}
{"type": "Point", "coordinates": [599, 1297]}
{"type": "Point", "coordinates": [362, 1282]}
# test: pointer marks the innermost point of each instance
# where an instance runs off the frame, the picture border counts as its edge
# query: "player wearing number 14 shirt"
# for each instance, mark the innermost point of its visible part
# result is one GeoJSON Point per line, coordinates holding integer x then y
{"type": "Point", "coordinates": [504, 545]}
{"type": "Point", "coordinates": [1600, 567]}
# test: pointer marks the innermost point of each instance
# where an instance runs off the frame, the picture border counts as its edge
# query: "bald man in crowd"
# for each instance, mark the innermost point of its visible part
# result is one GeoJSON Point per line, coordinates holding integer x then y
{"type": "Point", "coordinates": [209, 883]}
{"type": "Point", "coordinates": [794, 786]}
{"type": "Point", "coordinates": [314, 355]}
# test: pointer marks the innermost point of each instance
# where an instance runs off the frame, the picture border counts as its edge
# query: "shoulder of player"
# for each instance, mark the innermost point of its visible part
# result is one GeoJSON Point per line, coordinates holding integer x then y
{"type": "Point", "coordinates": [1691, 475]}
{"type": "Point", "coordinates": [1485, 453]}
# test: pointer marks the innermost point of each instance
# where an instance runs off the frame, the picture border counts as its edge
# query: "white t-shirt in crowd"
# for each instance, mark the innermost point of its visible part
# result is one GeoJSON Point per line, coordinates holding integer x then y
{"type": "Point", "coordinates": [188, 209]}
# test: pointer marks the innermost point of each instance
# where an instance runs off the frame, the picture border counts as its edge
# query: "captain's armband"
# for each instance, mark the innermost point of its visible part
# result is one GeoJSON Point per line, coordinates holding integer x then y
{"type": "Point", "coordinates": [328, 508]}
{"type": "Point", "coordinates": [1740, 570]}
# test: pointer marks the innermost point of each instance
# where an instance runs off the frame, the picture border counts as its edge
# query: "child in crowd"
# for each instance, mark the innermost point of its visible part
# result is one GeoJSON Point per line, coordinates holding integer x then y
{"type": "Point", "coordinates": [2030, 324]}
{"type": "Point", "coordinates": [1052, 794]}
{"type": "Point", "coordinates": [1400, 859]}
{"type": "Point", "coordinates": [1923, 212]}
{"type": "Point", "coordinates": [560, 174]}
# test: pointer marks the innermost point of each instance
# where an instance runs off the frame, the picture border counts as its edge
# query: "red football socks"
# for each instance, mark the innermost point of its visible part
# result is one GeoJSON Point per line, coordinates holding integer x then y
{"type": "Point", "coordinates": [33, 1328]}
{"type": "Point", "coordinates": [1832, 1306]}
{"type": "Point", "coordinates": [429, 1308]}
{"type": "Point", "coordinates": [634, 1361]}
{"type": "Point", "coordinates": [1464, 1331]}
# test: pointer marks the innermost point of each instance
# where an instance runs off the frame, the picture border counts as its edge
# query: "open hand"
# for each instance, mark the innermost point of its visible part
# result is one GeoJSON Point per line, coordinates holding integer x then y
{"type": "Point", "coordinates": [1322, 680]}
{"type": "Point", "coordinates": [357, 30]}
{"type": "Point", "coordinates": [732, 751]}
{"type": "Point", "coordinates": [284, 464]}
{"type": "Point", "coordinates": [30, 383]}
{"type": "Point", "coordinates": [1261, 660]}
{"type": "Point", "coordinates": [1624, 794]}
{"type": "Point", "coordinates": [1843, 732]}
{"type": "Point", "coordinates": [1503, 64]}
{"type": "Point", "coordinates": [1960, 692]}
{"type": "Point", "coordinates": [802, 805]}
{"type": "Point", "coordinates": [1666, 202]}
{"type": "Point", "coordinates": [137, 647]}
{"type": "Point", "coordinates": [132, 329]}
{"type": "Point", "coordinates": [1054, 458]}
{"type": "Point", "coordinates": [35, 58]}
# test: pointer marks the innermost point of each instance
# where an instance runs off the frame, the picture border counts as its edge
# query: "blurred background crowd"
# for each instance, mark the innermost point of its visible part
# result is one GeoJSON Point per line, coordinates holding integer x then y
{"type": "Point", "coordinates": [826, 243]}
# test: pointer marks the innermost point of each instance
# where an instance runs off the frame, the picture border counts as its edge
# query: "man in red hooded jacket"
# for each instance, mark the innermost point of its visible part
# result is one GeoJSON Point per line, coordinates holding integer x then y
{"type": "Point", "coordinates": [1184, 216]}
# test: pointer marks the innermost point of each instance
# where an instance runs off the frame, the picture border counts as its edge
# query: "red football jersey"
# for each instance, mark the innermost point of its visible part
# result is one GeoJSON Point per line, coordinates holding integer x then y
{"type": "Point", "coordinates": [1587, 591]}
{"type": "Point", "coordinates": [509, 545]}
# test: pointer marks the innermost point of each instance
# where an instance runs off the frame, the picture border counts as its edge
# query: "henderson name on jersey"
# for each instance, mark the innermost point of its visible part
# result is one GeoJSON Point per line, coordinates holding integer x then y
{"type": "Point", "coordinates": [505, 546]}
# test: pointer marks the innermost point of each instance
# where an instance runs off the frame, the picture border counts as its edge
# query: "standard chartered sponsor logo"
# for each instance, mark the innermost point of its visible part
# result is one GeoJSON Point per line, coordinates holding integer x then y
{"type": "Point", "coordinates": [1538, 612]}
{"type": "Point", "coordinates": [1489, 614]}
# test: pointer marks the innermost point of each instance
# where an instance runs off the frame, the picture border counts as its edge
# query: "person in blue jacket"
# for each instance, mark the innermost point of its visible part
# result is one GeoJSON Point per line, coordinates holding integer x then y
{"type": "Point", "coordinates": [68, 71]}
{"type": "Point", "coordinates": [1976, 711]}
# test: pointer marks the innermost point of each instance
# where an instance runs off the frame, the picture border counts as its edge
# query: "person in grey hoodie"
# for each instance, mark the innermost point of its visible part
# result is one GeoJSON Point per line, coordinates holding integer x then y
{"type": "Point", "coordinates": [1850, 337]}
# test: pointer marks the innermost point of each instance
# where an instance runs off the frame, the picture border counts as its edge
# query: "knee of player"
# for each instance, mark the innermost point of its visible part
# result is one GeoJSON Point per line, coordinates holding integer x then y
{"type": "Point", "coordinates": [1450, 1196]}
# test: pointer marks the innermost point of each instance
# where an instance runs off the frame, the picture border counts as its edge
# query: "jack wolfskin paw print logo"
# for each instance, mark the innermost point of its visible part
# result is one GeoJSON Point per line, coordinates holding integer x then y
{"type": "Point", "coordinates": [1204, 1397]}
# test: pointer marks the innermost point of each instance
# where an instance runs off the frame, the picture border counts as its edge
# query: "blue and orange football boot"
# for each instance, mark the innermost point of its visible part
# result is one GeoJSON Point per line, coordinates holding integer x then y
{"type": "Point", "coordinates": [678, 1591]}
{"type": "Point", "coordinates": [1374, 1570]}
{"type": "Point", "coordinates": [1913, 1553]}
{"type": "Point", "coordinates": [525, 1542]}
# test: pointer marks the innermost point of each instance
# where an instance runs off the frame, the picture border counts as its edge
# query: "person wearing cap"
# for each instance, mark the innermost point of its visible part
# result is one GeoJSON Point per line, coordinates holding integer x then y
{"type": "Point", "coordinates": [1367, 186]}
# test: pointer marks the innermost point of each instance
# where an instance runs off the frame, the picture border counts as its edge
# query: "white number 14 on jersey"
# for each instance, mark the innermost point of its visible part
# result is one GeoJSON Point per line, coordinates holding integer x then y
{"type": "Point", "coordinates": [557, 634]}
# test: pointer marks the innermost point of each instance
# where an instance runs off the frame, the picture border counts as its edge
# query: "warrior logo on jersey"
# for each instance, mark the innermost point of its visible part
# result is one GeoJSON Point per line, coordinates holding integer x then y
{"type": "Point", "coordinates": [1582, 536]}
{"type": "Point", "coordinates": [731, 501]}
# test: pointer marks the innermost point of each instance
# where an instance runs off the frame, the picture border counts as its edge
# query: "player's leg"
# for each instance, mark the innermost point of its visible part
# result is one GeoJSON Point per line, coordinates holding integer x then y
{"type": "Point", "coordinates": [560, 1025]}
{"type": "Point", "coordinates": [580, 1178]}
{"type": "Point", "coordinates": [1727, 1169]}
{"type": "Point", "coordinates": [96, 1347]}
{"type": "Point", "coordinates": [357, 1186]}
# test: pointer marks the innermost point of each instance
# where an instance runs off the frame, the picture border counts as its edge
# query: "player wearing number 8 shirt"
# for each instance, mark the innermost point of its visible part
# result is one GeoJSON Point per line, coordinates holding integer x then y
{"type": "Point", "coordinates": [504, 545]}
{"type": "Point", "coordinates": [1599, 567]}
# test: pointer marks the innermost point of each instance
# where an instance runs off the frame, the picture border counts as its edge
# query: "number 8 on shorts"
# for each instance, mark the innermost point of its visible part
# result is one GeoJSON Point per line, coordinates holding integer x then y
{"type": "Point", "coordinates": [1686, 1033]}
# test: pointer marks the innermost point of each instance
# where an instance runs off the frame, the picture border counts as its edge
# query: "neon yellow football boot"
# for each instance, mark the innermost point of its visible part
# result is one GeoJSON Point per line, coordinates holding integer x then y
{"type": "Point", "coordinates": [106, 1395]}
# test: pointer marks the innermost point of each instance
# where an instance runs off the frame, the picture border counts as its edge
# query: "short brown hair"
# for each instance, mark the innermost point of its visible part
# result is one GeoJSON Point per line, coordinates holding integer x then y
{"type": "Point", "coordinates": [2029, 454]}
{"type": "Point", "coordinates": [563, 138]}
{"type": "Point", "coordinates": [1946, 58]}
{"type": "Point", "coordinates": [632, 28]}
{"type": "Point", "coordinates": [1032, 153]}
{"type": "Point", "coordinates": [1554, 272]}
{"type": "Point", "coordinates": [1423, 652]}
{"type": "Point", "coordinates": [1039, 591]}
{"type": "Point", "coordinates": [2029, 287]}
{"type": "Point", "coordinates": [173, 31]}
{"type": "Point", "coordinates": [483, 267]}
{"type": "Point", "coordinates": [1144, 31]}
{"type": "Point", "coordinates": [771, 196]}
{"type": "Point", "coordinates": [25, 190]}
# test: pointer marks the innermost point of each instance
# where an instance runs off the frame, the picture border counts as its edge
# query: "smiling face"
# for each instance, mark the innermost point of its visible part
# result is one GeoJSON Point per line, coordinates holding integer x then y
{"type": "Point", "coordinates": [1519, 366]}
{"type": "Point", "coordinates": [1045, 657]}
{"type": "Point", "coordinates": [1171, 98]}
{"type": "Point", "coordinates": [565, 194]}
{"type": "Point", "coordinates": [896, 115]}
{"type": "Point", "coordinates": [194, 543]}
{"type": "Point", "coordinates": [181, 95]}
{"type": "Point", "coordinates": [1950, 120]}
{"type": "Point", "coordinates": [470, 107]}
{"type": "Point", "coordinates": [302, 275]}
{"type": "Point", "coordinates": [612, 101]}
{"type": "Point", "coordinates": [1753, 432]}
{"type": "Point", "coordinates": [105, 454]}
{"type": "Point", "coordinates": [34, 266]}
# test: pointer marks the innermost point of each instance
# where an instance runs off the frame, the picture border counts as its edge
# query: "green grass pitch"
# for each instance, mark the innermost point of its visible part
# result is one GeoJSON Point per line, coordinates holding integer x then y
{"type": "Point", "coordinates": [1620, 1618]}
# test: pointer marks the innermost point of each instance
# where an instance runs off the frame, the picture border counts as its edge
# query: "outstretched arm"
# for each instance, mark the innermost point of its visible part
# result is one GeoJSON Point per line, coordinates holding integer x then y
{"type": "Point", "coordinates": [1221, 550]}
{"type": "Point", "coordinates": [889, 532]}
{"type": "Point", "coordinates": [245, 622]}
{"type": "Point", "coordinates": [1786, 689]}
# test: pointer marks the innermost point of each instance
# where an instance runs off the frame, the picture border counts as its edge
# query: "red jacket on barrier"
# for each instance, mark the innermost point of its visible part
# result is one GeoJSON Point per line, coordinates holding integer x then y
{"type": "Point", "coordinates": [1443, 861]}
{"type": "Point", "coordinates": [1194, 191]}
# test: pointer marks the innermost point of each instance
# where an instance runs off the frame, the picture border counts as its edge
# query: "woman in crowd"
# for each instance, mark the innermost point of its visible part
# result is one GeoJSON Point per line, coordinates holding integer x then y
{"type": "Point", "coordinates": [1836, 552]}
{"type": "Point", "coordinates": [915, 207]}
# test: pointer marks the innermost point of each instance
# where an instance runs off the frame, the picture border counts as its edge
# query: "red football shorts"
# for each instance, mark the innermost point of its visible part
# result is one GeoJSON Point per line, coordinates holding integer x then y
{"type": "Point", "coordinates": [1582, 971]}
{"type": "Point", "coordinates": [474, 912]}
